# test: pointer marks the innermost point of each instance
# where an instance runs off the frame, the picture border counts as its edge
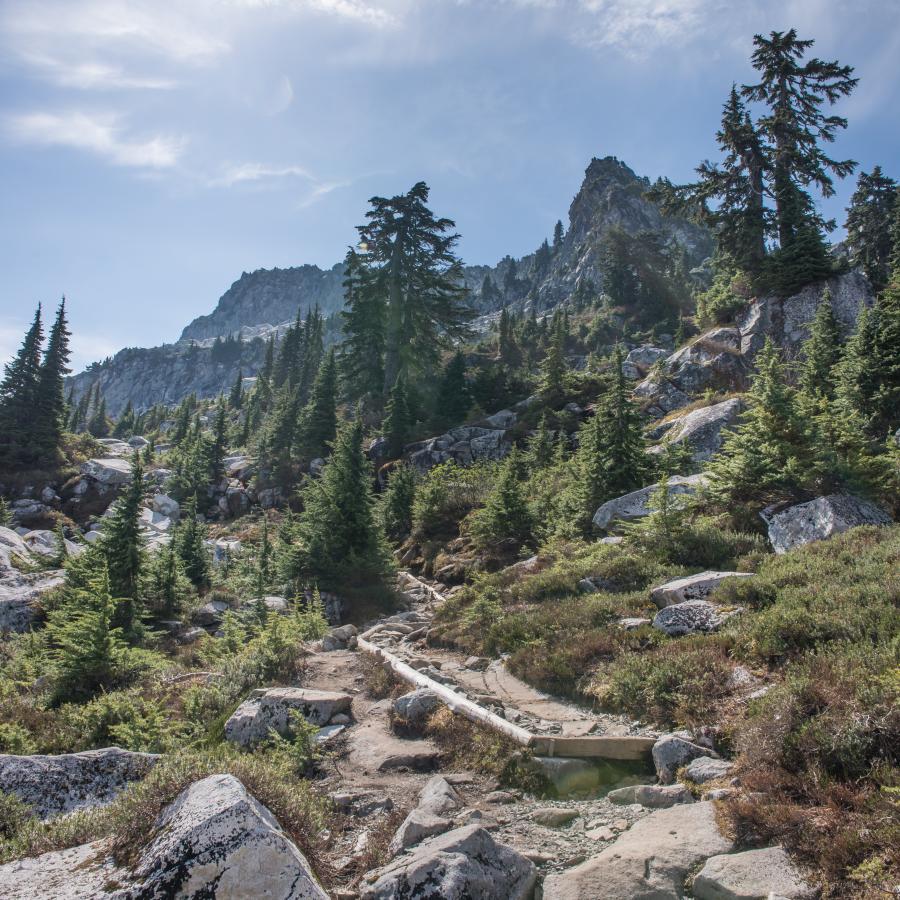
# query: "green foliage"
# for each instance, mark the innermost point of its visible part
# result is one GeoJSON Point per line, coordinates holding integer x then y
{"type": "Point", "coordinates": [310, 615]}
{"type": "Point", "coordinates": [5, 514]}
{"type": "Point", "coordinates": [318, 422]}
{"type": "Point", "coordinates": [728, 295]}
{"type": "Point", "coordinates": [165, 587]}
{"type": "Point", "coordinates": [398, 419]}
{"type": "Point", "coordinates": [453, 400]}
{"type": "Point", "coordinates": [505, 518]}
{"type": "Point", "coordinates": [189, 540]}
{"type": "Point", "coordinates": [821, 352]}
{"type": "Point", "coordinates": [447, 493]}
{"type": "Point", "coordinates": [869, 219]}
{"type": "Point", "coordinates": [396, 506]}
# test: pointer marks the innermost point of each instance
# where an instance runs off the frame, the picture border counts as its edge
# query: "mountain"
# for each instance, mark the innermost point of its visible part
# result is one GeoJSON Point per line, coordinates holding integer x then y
{"type": "Point", "coordinates": [261, 302]}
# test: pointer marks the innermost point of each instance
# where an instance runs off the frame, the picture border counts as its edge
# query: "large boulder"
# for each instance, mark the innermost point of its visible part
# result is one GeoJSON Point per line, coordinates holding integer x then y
{"type": "Point", "coordinates": [751, 875]}
{"type": "Point", "coordinates": [21, 592]}
{"type": "Point", "coordinates": [650, 861]}
{"type": "Point", "coordinates": [636, 505]}
{"type": "Point", "coordinates": [437, 799]}
{"type": "Point", "coordinates": [71, 874]}
{"type": "Point", "coordinates": [820, 519]}
{"type": "Point", "coordinates": [672, 751]}
{"type": "Point", "coordinates": [111, 470]}
{"type": "Point", "coordinates": [703, 430]}
{"type": "Point", "coordinates": [693, 587]}
{"type": "Point", "coordinates": [270, 709]}
{"type": "Point", "coordinates": [166, 506]}
{"type": "Point", "coordinates": [216, 840]}
{"type": "Point", "coordinates": [340, 638]}
{"type": "Point", "coordinates": [690, 617]}
{"type": "Point", "coordinates": [52, 785]}
{"type": "Point", "coordinates": [463, 864]}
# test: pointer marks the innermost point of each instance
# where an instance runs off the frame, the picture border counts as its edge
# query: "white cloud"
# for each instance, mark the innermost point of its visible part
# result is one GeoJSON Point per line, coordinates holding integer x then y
{"type": "Point", "coordinates": [254, 171]}
{"type": "Point", "coordinates": [91, 75]}
{"type": "Point", "coordinates": [97, 133]}
{"type": "Point", "coordinates": [355, 10]}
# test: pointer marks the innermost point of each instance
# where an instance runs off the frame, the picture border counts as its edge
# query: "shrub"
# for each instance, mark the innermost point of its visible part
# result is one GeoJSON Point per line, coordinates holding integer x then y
{"type": "Point", "coordinates": [447, 494]}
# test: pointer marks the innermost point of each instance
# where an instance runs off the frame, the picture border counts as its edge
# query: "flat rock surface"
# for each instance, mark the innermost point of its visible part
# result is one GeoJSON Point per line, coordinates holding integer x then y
{"type": "Point", "coordinates": [73, 874]}
{"type": "Point", "coordinates": [751, 875]}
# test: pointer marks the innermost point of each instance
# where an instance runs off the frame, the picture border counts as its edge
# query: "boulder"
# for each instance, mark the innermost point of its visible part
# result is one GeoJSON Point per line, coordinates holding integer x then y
{"type": "Point", "coordinates": [651, 860]}
{"type": "Point", "coordinates": [671, 752]}
{"type": "Point", "coordinates": [108, 471]}
{"type": "Point", "coordinates": [506, 418]}
{"type": "Point", "coordinates": [429, 818]}
{"type": "Point", "coordinates": [644, 357]}
{"type": "Point", "coordinates": [72, 874]}
{"type": "Point", "coordinates": [166, 506]}
{"type": "Point", "coordinates": [653, 796]}
{"type": "Point", "coordinates": [554, 816]}
{"type": "Point", "coordinates": [751, 875]}
{"type": "Point", "coordinates": [414, 708]}
{"type": "Point", "coordinates": [693, 587]}
{"type": "Point", "coordinates": [53, 785]}
{"type": "Point", "coordinates": [21, 592]}
{"type": "Point", "coordinates": [340, 638]}
{"type": "Point", "coordinates": [216, 840]}
{"type": "Point", "coordinates": [269, 709]}
{"type": "Point", "coordinates": [703, 430]}
{"type": "Point", "coordinates": [211, 613]}
{"type": "Point", "coordinates": [705, 769]}
{"type": "Point", "coordinates": [820, 519]}
{"type": "Point", "coordinates": [690, 617]}
{"type": "Point", "coordinates": [138, 442]}
{"type": "Point", "coordinates": [462, 864]}
{"type": "Point", "coordinates": [636, 505]}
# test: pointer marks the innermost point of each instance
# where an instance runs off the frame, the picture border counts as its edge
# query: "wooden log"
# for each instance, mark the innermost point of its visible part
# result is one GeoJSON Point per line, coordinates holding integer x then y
{"type": "Point", "coordinates": [457, 703]}
{"type": "Point", "coordinates": [590, 747]}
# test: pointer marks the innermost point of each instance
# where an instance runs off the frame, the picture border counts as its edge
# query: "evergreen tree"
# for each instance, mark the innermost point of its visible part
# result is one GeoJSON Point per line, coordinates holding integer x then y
{"type": "Point", "coordinates": [319, 420]}
{"type": "Point", "coordinates": [397, 503]}
{"type": "Point", "coordinates": [236, 397]}
{"type": "Point", "coordinates": [18, 391]}
{"type": "Point", "coordinates": [264, 562]}
{"type": "Point", "coordinates": [856, 379]}
{"type": "Point", "coordinates": [122, 545]}
{"type": "Point", "coordinates": [340, 544]}
{"type": "Point", "coordinates": [50, 404]}
{"type": "Point", "coordinates": [885, 360]}
{"type": "Point", "coordinates": [5, 514]}
{"type": "Point", "coordinates": [773, 453]}
{"type": "Point", "coordinates": [821, 352]}
{"type": "Point", "coordinates": [362, 361]}
{"type": "Point", "coordinates": [125, 425]}
{"type": "Point", "coordinates": [412, 265]}
{"type": "Point", "coordinates": [454, 399]}
{"type": "Point", "coordinates": [85, 644]}
{"type": "Point", "coordinates": [219, 445]}
{"type": "Point", "coordinates": [99, 424]}
{"type": "Point", "coordinates": [398, 419]}
{"type": "Point", "coordinates": [511, 280]}
{"type": "Point", "coordinates": [542, 260]}
{"type": "Point", "coordinates": [540, 445]}
{"type": "Point", "coordinates": [505, 517]}
{"type": "Point", "coordinates": [507, 348]}
{"type": "Point", "coordinates": [166, 586]}
{"type": "Point", "coordinates": [869, 219]}
{"type": "Point", "coordinates": [557, 235]}
{"type": "Point", "coordinates": [553, 368]}
{"type": "Point", "coordinates": [189, 543]}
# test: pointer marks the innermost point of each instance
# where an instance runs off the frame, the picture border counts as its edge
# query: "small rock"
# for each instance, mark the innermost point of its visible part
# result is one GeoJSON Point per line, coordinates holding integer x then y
{"type": "Point", "coordinates": [693, 587]}
{"type": "Point", "coordinates": [553, 816]}
{"type": "Point", "coordinates": [500, 797]}
{"type": "Point", "coordinates": [704, 769]}
{"type": "Point", "coordinates": [603, 833]}
{"type": "Point", "coordinates": [414, 708]}
{"type": "Point", "coordinates": [671, 752]}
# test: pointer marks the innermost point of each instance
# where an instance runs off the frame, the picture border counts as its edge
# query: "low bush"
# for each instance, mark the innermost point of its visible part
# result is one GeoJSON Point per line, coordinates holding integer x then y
{"type": "Point", "coordinates": [447, 494]}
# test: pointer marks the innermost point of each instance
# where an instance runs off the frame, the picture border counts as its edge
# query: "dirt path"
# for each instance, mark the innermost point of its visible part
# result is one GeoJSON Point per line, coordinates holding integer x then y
{"type": "Point", "coordinates": [375, 776]}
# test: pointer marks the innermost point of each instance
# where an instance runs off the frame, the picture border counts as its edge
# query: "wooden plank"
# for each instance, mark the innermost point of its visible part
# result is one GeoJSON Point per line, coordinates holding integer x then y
{"type": "Point", "coordinates": [589, 747]}
{"type": "Point", "coordinates": [598, 746]}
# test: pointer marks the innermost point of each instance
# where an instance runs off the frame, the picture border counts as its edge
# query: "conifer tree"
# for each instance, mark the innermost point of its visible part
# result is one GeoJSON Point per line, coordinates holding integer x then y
{"type": "Point", "coordinates": [18, 391]}
{"type": "Point", "coordinates": [411, 265]}
{"type": "Point", "coordinates": [454, 399]}
{"type": "Point", "coordinates": [319, 420]}
{"type": "Point", "coordinates": [340, 543]}
{"type": "Point", "coordinates": [264, 561]}
{"type": "Point", "coordinates": [885, 360]}
{"type": "Point", "coordinates": [189, 541]}
{"type": "Point", "coordinates": [821, 352]}
{"type": "Point", "coordinates": [869, 219]}
{"type": "Point", "coordinates": [50, 403]}
{"type": "Point", "coordinates": [236, 397]}
{"type": "Point", "coordinates": [166, 586]}
{"type": "Point", "coordinates": [507, 348]}
{"type": "Point", "coordinates": [125, 425]}
{"type": "Point", "coordinates": [99, 424]}
{"type": "Point", "coordinates": [218, 447]}
{"type": "Point", "coordinates": [540, 446]}
{"type": "Point", "coordinates": [773, 453]}
{"type": "Point", "coordinates": [398, 419]}
{"type": "Point", "coordinates": [557, 235]}
{"type": "Point", "coordinates": [362, 361]}
{"type": "Point", "coordinates": [553, 368]}
{"type": "Point", "coordinates": [397, 503]}
{"type": "Point", "coordinates": [856, 382]}
{"type": "Point", "coordinates": [505, 517]}
{"type": "Point", "coordinates": [122, 546]}
{"type": "Point", "coordinates": [86, 645]}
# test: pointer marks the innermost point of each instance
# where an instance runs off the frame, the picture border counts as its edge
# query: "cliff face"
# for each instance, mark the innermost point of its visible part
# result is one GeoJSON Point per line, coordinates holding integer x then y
{"type": "Point", "coordinates": [266, 300]}
{"type": "Point", "coordinates": [269, 297]}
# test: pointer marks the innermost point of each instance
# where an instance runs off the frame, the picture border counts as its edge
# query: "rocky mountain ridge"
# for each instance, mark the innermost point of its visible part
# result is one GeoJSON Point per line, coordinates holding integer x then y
{"type": "Point", "coordinates": [262, 302]}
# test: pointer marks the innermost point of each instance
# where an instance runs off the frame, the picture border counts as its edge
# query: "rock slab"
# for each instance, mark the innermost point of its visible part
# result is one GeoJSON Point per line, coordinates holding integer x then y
{"type": "Point", "coordinates": [751, 875]}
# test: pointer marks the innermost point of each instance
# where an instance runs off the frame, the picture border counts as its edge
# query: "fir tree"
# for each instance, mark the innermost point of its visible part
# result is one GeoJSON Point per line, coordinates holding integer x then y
{"type": "Point", "coordinates": [236, 397]}
{"type": "Point", "coordinates": [122, 545]}
{"type": "Point", "coordinates": [18, 391]}
{"type": "Point", "coordinates": [189, 541]}
{"type": "Point", "coordinates": [86, 645]}
{"type": "Point", "coordinates": [398, 419]}
{"type": "Point", "coordinates": [885, 360]}
{"type": "Point", "coordinates": [264, 561]}
{"type": "Point", "coordinates": [219, 444]}
{"type": "Point", "coordinates": [397, 503]}
{"type": "Point", "coordinates": [557, 235]}
{"type": "Point", "coordinates": [773, 452]}
{"type": "Point", "coordinates": [505, 517]}
{"type": "Point", "coordinates": [454, 400]}
{"type": "Point", "coordinates": [125, 425]}
{"type": "Point", "coordinates": [821, 352]}
{"type": "Point", "coordinates": [553, 368]}
{"type": "Point", "coordinates": [99, 424]}
{"type": "Point", "coordinates": [5, 514]}
{"type": "Point", "coordinates": [340, 543]}
{"type": "Point", "coordinates": [319, 420]}
{"type": "Point", "coordinates": [50, 404]}
{"type": "Point", "coordinates": [856, 380]}
{"type": "Point", "coordinates": [166, 587]}
{"type": "Point", "coordinates": [540, 445]}
{"type": "Point", "coordinates": [362, 361]}
{"type": "Point", "coordinates": [869, 219]}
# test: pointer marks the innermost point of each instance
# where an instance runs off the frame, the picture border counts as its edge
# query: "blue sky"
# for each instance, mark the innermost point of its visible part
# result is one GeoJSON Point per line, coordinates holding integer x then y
{"type": "Point", "coordinates": [151, 151]}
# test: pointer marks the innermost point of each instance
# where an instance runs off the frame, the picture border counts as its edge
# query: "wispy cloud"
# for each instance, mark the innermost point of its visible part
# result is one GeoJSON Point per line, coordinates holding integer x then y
{"type": "Point", "coordinates": [92, 75]}
{"type": "Point", "coordinates": [356, 10]}
{"type": "Point", "coordinates": [256, 172]}
{"type": "Point", "coordinates": [101, 134]}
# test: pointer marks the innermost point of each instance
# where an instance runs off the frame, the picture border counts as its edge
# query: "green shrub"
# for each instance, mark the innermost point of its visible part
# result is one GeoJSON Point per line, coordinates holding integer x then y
{"type": "Point", "coordinates": [16, 739]}
{"type": "Point", "coordinates": [447, 494]}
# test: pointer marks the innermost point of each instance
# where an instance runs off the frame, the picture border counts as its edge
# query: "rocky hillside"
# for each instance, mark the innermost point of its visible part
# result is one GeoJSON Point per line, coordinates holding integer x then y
{"type": "Point", "coordinates": [260, 302]}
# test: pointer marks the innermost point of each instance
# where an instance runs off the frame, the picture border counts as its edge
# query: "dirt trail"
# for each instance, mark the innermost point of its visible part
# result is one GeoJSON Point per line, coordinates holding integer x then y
{"type": "Point", "coordinates": [370, 767]}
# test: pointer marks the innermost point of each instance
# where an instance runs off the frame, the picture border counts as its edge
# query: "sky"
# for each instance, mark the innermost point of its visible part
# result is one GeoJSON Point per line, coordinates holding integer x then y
{"type": "Point", "coordinates": [151, 151]}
